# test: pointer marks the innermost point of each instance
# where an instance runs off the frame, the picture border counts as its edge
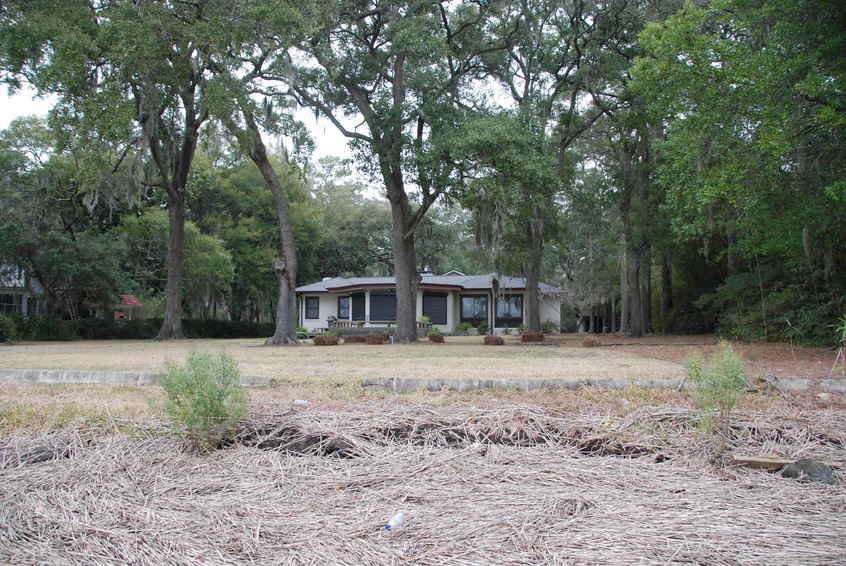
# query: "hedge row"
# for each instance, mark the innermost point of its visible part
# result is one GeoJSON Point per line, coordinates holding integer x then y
{"type": "Point", "coordinates": [41, 328]}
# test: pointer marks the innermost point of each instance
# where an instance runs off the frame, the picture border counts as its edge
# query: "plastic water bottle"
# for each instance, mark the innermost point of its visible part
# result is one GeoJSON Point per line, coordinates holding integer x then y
{"type": "Point", "coordinates": [395, 522]}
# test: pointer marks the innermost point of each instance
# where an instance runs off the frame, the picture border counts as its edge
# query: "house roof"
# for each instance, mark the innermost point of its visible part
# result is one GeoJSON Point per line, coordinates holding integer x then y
{"type": "Point", "coordinates": [130, 300]}
{"type": "Point", "coordinates": [462, 282]}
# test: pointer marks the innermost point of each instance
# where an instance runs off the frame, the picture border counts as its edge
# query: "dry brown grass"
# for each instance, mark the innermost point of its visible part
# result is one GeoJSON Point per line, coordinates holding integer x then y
{"type": "Point", "coordinates": [513, 485]}
{"type": "Point", "coordinates": [459, 357]}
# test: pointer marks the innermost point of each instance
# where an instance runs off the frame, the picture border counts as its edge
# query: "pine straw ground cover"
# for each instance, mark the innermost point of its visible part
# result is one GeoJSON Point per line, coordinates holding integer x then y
{"type": "Point", "coordinates": [509, 484]}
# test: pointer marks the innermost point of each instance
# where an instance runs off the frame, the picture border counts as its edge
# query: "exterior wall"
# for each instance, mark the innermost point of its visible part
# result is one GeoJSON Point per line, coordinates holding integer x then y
{"type": "Point", "coordinates": [550, 310]}
{"type": "Point", "coordinates": [328, 307]}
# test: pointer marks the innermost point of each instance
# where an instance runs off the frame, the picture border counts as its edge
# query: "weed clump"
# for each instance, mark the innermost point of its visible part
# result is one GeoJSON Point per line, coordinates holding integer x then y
{"type": "Point", "coordinates": [717, 386]}
{"type": "Point", "coordinates": [204, 398]}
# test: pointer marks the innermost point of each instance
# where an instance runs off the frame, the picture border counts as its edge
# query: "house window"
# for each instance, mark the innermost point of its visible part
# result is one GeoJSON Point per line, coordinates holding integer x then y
{"type": "Point", "coordinates": [474, 309]}
{"type": "Point", "coordinates": [383, 305]}
{"type": "Point", "coordinates": [10, 303]}
{"type": "Point", "coordinates": [344, 308]}
{"type": "Point", "coordinates": [509, 311]}
{"type": "Point", "coordinates": [358, 306]}
{"type": "Point", "coordinates": [435, 307]}
{"type": "Point", "coordinates": [312, 307]}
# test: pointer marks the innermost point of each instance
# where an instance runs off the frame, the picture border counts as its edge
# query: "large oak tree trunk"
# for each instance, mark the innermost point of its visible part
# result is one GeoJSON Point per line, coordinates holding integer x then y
{"type": "Point", "coordinates": [172, 324]}
{"type": "Point", "coordinates": [284, 267]}
{"type": "Point", "coordinates": [405, 271]}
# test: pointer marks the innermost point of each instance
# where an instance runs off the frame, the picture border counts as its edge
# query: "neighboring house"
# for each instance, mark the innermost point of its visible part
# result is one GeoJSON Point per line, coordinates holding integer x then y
{"type": "Point", "coordinates": [19, 293]}
{"type": "Point", "coordinates": [128, 308]}
{"type": "Point", "coordinates": [447, 300]}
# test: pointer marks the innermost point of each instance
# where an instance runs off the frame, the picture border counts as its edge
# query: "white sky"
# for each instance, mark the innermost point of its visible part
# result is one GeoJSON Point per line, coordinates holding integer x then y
{"type": "Point", "coordinates": [328, 140]}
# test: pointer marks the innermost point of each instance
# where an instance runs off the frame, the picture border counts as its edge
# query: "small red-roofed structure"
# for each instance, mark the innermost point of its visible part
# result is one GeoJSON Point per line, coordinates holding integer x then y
{"type": "Point", "coordinates": [128, 308]}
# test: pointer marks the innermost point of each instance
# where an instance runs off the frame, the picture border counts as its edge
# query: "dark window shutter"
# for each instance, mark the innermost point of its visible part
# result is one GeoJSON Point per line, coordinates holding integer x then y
{"type": "Point", "coordinates": [383, 306]}
{"type": "Point", "coordinates": [358, 306]}
{"type": "Point", "coordinates": [435, 307]}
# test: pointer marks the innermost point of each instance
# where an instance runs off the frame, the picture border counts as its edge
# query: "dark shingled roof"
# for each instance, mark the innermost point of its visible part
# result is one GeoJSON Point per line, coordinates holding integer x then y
{"type": "Point", "coordinates": [467, 282]}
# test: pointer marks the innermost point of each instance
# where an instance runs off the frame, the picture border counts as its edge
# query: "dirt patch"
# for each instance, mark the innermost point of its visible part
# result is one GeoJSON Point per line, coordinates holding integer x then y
{"type": "Point", "coordinates": [762, 358]}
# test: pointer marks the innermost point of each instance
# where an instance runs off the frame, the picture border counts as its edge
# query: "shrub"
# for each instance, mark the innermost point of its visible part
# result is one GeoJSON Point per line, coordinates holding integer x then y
{"type": "Point", "coordinates": [483, 327]}
{"type": "Point", "coordinates": [464, 327]}
{"type": "Point", "coordinates": [436, 337]}
{"type": "Point", "coordinates": [326, 340]}
{"type": "Point", "coordinates": [8, 330]}
{"type": "Point", "coordinates": [355, 339]}
{"type": "Point", "coordinates": [531, 336]}
{"type": "Point", "coordinates": [591, 343]}
{"type": "Point", "coordinates": [491, 340]}
{"type": "Point", "coordinates": [377, 338]}
{"type": "Point", "coordinates": [549, 327]}
{"type": "Point", "coordinates": [204, 398]}
{"type": "Point", "coordinates": [717, 386]}
{"type": "Point", "coordinates": [425, 320]}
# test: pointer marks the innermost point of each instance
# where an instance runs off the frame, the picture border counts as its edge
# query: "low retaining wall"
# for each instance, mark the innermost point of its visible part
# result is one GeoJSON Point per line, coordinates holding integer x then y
{"type": "Point", "coordinates": [130, 378]}
{"type": "Point", "coordinates": [410, 384]}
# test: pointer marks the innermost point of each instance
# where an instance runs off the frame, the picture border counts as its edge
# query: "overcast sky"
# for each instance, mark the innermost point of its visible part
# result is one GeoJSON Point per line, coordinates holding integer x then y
{"type": "Point", "coordinates": [327, 138]}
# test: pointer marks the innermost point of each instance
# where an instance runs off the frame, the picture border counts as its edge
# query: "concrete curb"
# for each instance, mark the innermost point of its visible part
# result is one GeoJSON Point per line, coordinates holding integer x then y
{"type": "Point", "coordinates": [410, 384]}
{"type": "Point", "coordinates": [129, 378]}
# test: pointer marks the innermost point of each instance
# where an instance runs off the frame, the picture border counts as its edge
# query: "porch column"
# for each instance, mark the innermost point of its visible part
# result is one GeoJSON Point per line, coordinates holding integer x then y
{"type": "Point", "coordinates": [366, 307]}
{"type": "Point", "coordinates": [419, 308]}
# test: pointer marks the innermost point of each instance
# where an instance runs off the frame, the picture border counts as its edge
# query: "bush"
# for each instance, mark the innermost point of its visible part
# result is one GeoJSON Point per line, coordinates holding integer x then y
{"type": "Point", "coordinates": [436, 337]}
{"type": "Point", "coordinates": [355, 339]}
{"type": "Point", "coordinates": [377, 338]}
{"type": "Point", "coordinates": [204, 398]}
{"type": "Point", "coordinates": [531, 336]}
{"type": "Point", "coordinates": [464, 327]}
{"type": "Point", "coordinates": [550, 327]}
{"type": "Point", "coordinates": [326, 340]}
{"type": "Point", "coordinates": [43, 328]}
{"type": "Point", "coordinates": [483, 327]}
{"type": "Point", "coordinates": [717, 386]}
{"type": "Point", "coordinates": [8, 330]}
{"type": "Point", "coordinates": [491, 340]}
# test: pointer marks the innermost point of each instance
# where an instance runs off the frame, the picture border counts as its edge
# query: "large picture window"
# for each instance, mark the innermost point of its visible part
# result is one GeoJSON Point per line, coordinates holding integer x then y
{"type": "Point", "coordinates": [435, 307]}
{"type": "Point", "coordinates": [509, 311]}
{"type": "Point", "coordinates": [383, 306]}
{"type": "Point", "coordinates": [474, 309]}
{"type": "Point", "coordinates": [344, 308]}
{"type": "Point", "coordinates": [312, 307]}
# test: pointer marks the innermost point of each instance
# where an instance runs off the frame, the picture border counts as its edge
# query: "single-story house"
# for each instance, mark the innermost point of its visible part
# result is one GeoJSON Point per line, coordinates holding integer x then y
{"type": "Point", "coordinates": [19, 293]}
{"type": "Point", "coordinates": [448, 300]}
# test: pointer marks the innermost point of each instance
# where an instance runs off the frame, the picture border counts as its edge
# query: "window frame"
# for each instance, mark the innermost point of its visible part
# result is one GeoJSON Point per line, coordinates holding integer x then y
{"type": "Point", "coordinates": [306, 308]}
{"type": "Point", "coordinates": [349, 307]}
{"type": "Point", "coordinates": [438, 295]}
{"type": "Point", "coordinates": [509, 322]}
{"type": "Point", "coordinates": [474, 320]}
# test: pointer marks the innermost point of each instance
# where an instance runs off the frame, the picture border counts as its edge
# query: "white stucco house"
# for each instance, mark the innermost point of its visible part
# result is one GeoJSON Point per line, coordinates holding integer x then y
{"type": "Point", "coordinates": [19, 293]}
{"type": "Point", "coordinates": [448, 300]}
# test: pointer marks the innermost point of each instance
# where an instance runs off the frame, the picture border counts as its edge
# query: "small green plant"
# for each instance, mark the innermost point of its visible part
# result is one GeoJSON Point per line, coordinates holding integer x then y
{"type": "Point", "coordinates": [302, 332]}
{"type": "Point", "coordinates": [464, 327]}
{"type": "Point", "coordinates": [433, 331]}
{"type": "Point", "coordinates": [717, 386]}
{"type": "Point", "coordinates": [204, 398]}
{"type": "Point", "coordinates": [483, 327]}
{"type": "Point", "coordinates": [521, 328]}
{"type": "Point", "coordinates": [333, 332]}
{"type": "Point", "coordinates": [549, 327]}
{"type": "Point", "coordinates": [8, 330]}
{"type": "Point", "coordinates": [425, 320]}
